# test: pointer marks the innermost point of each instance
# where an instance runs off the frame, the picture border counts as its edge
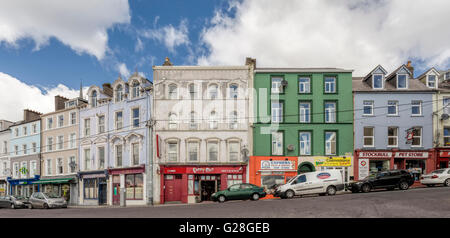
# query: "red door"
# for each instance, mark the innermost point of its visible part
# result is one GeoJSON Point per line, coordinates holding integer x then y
{"type": "Point", "coordinates": [172, 188]}
{"type": "Point", "coordinates": [116, 194]}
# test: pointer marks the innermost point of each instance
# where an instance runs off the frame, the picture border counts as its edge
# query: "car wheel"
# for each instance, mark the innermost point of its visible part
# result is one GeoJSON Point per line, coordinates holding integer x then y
{"type": "Point", "coordinates": [30, 206]}
{"type": "Point", "coordinates": [365, 188]}
{"type": "Point", "coordinates": [447, 182]}
{"type": "Point", "coordinates": [255, 197]}
{"type": "Point", "coordinates": [331, 190]}
{"type": "Point", "coordinates": [221, 198]}
{"type": "Point", "coordinates": [403, 185]}
{"type": "Point", "coordinates": [289, 194]}
{"type": "Point", "coordinates": [430, 185]}
{"type": "Point", "coordinates": [45, 206]}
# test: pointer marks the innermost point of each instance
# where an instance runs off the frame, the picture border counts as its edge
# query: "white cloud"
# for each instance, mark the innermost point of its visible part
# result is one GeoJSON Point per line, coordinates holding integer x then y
{"type": "Point", "coordinates": [349, 34]}
{"type": "Point", "coordinates": [81, 24]}
{"type": "Point", "coordinates": [169, 35]}
{"type": "Point", "coordinates": [17, 96]}
{"type": "Point", "coordinates": [123, 70]}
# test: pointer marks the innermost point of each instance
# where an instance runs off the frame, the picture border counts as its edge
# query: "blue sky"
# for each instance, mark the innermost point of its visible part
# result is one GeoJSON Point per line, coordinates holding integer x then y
{"type": "Point", "coordinates": [48, 46]}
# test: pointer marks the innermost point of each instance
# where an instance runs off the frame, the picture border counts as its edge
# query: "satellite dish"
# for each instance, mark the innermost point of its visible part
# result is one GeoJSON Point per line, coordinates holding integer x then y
{"type": "Point", "coordinates": [291, 147]}
{"type": "Point", "coordinates": [444, 116]}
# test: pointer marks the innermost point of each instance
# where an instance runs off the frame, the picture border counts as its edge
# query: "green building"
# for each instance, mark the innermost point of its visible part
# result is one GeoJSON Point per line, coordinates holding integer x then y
{"type": "Point", "coordinates": [305, 113]}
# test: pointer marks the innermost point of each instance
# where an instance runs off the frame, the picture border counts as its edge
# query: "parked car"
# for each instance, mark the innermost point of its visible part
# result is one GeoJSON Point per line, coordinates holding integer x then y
{"type": "Point", "coordinates": [46, 200]}
{"type": "Point", "coordinates": [440, 176]}
{"type": "Point", "coordinates": [401, 179]}
{"type": "Point", "coordinates": [241, 191]}
{"type": "Point", "coordinates": [319, 182]}
{"type": "Point", "coordinates": [14, 202]}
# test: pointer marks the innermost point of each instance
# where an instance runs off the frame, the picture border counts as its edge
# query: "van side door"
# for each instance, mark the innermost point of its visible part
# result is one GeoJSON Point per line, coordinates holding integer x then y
{"type": "Point", "coordinates": [300, 186]}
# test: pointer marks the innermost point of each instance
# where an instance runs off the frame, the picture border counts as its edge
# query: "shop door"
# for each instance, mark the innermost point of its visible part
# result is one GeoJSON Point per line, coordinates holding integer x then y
{"type": "Point", "coordinates": [116, 194]}
{"type": "Point", "coordinates": [172, 188]}
{"type": "Point", "coordinates": [102, 194]}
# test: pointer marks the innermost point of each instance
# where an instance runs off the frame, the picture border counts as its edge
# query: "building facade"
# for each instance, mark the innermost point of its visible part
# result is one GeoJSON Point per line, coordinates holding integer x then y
{"type": "Point", "coordinates": [59, 153]}
{"type": "Point", "coordinates": [303, 122]}
{"type": "Point", "coordinates": [25, 155]}
{"type": "Point", "coordinates": [114, 146]}
{"type": "Point", "coordinates": [201, 130]}
{"type": "Point", "coordinates": [393, 122]}
{"type": "Point", "coordinates": [5, 163]}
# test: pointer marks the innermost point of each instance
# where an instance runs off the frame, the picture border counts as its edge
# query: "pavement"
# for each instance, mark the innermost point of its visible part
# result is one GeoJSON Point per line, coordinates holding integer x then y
{"type": "Point", "coordinates": [419, 202]}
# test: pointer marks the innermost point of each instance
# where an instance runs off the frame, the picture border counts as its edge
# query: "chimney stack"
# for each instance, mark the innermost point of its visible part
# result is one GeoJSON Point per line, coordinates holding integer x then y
{"type": "Point", "coordinates": [410, 68]}
{"type": "Point", "coordinates": [250, 62]}
{"type": "Point", "coordinates": [60, 102]}
{"type": "Point", "coordinates": [107, 89]}
{"type": "Point", "coordinates": [29, 115]}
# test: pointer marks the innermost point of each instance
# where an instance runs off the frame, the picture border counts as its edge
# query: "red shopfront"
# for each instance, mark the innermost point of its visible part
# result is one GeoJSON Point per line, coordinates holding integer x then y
{"type": "Point", "coordinates": [133, 181]}
{"type": "Point", "coordinates": [442, 158]}
{"type": "Point", "coordinates": [190, 184]}
{"type": "Point", "coordinates": [367, 162]}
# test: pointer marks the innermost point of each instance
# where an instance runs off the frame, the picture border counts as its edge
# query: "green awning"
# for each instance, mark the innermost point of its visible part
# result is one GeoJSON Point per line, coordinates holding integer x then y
{"type": "Point", "coordinates": [47, 181]}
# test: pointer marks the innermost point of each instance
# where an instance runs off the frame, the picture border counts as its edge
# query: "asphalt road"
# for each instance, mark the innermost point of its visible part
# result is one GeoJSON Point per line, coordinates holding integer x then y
{"type": "Point", "coordinates": [412, 203]}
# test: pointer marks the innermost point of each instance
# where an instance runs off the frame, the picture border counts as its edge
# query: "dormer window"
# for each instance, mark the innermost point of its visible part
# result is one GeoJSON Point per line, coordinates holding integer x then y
{"type": "Point", "coordinates": [94, 98]}
{"type": "Point", "coordinates": [119, 93]}
{"type": "Point", "coordinates": [135, 89]}
{"type": "Point", "coordinates": [431, 81]}
{"type": "Point", "coordinates": [173, 91]}
{"type": "Point", "coordinates": [402, 82]}
{"type": "Point", "coordinates": [377, 81]}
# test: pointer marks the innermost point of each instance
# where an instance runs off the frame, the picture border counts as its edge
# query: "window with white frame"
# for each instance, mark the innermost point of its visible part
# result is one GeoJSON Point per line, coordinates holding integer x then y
{"type": "Point", "coordinates": [368, 137]}
{"type": "Point", "coordinates": [431, 81]}
{"type": "Point", "coordinates": [330, 112]}
{"type": "Point", "coordinates": [234, 91]}
{"type": "Point", "coordinates": [87, 159]}
{"type": "Point", "coordinates": [402, 82]}
{"type": "Point", "coordinates": [213, 121]}
{"type": "Point", "coordinates": [93, 98]}
{"type": "Point", "coordinates": [34, 128]}
{"type": "Point", "coordinates": [101, 157]}
{"type": "Point", "coordinates": [368, 108]}
{"type": "Point", "coordinates": [59, 166]}
{"type": "Point", "coordinates": [24, 149]}
{"type": "Point", "coordinates": [173, 91]}
{"type": "Point", "coordinates": [416, 108]}
{"type": "Point", "coordinates": [33, 168]}
{"type": "Point", "coordinates": [48, 167]}
{"type": "Point", "coordinates": [305, 143]}
{"type": "Point", "coordinates": [119, 152]}
{"type": "Point", "coordinates": [87, 127]}
{"type": "Point", "coordinates": [392, 108]}
{"type": "Point", "coordinates": [330, 84]}
{"type": "Point", "coordinates": [50, 144]}
{"type": "Point", "coordinates": [446, 136]}
{"type": "Point", "coordinates": [60, 120]}
{"type": "Point", "coordinates": [446, 105]}
{"type": "Point", "coordinates": [24, 129]}
{"type": "Point", "coordinates": [16, 149]}
{"type": "Point", "coordinates": [304, 84]}
{"type": "Point", "coordinates": [73, 118]}
{"type": "Point", "coordinates": [233, 120]}
{"type": "Point", "coordinates": [277, 111]}
{"type": "Point", "coordinates": [193, 121]}
{"type": "Point", "coordinates": [135, 89]}
{"type": "Point", "coordinates": [72, 140]}
{"type": "Point", "coordinates": [193, 94]}
{"type": "Point", "coordinates": [49, 123]}
{"type": "Point", "coordinates": [213, 91]}
{"type": "Point", "coordinates": [417, 137]}
{"type": "Point", "coordinates": [213, 150]}
{"type": "Point", "coordinates": [72, 164]}
{"type": "Point", "coordinates": [330, 143]}
{"type": "Point", "coordinates": [34, 146]}
{"type": "Point", "coordinates": [119, 93]}
{"type": "Point", "coordinates": [392, 136]}
{"type": "Point", "coordinates": [233, 151]}
{"type": "Point", "coordinates": [172, 151]}
{"type": "Point", "coordinates": [23, 169]}
{"type": "Point", "coordinates": [60, 142]}
{"type": "Point", "coordinates": [276, 85]}
{"type": "Point", "coordinates": [135, 119]}
{"type": "Point", "coordinates": [277, 143]}
{"type": "Point", "coordinates": [305, 112]}
{"type": "Point", "coordinates": [101, 124]}
{"type": "Point", "coordinates": [119, 120]}
{"type": "Point", "coordinates": [135, 153]}
{"type": "Point", "coordinates": [193, 149]}
{"type": "Point", "coordinates": [377, 81]}
{"type": "Point", "coordinates": [173, 121]}
{"type": "Point", "coordinates": [16, 170]}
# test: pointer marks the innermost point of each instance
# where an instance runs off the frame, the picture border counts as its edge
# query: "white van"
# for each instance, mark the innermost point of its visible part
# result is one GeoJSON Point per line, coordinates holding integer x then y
{"type": "Point", "coordinates": [320, 182]}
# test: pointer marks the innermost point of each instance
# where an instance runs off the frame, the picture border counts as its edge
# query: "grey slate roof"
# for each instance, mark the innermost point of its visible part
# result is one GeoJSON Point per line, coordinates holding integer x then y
{"type": "Point", "coordinates": [414, 85]}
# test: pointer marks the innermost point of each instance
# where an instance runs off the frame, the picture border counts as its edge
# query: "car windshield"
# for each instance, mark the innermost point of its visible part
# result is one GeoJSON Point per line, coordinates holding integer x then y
{"type": "Point", "coordinates": [372, 175]}
{"type": "Point", "coordinates": [18, 197]}
{"type": "Point", "coordinates": [439, 171]}
{"type": "Point", "coordinates": [292, 179]}
{"type": "Point", "coordinates": [51, 195]}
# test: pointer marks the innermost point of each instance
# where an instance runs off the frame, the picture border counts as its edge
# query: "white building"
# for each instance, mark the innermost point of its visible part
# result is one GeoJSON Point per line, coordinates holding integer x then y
{"type": "Point", "coordinates": [5, 170]}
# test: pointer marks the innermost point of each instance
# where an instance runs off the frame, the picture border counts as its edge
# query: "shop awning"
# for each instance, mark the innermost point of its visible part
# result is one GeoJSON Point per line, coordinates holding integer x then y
{"type": "Point", "coordinates": [47, 181]}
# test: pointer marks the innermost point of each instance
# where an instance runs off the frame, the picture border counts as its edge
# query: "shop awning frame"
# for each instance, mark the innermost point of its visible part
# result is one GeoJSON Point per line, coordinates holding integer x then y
{"type": "Point", "coordinates": [53, 181]}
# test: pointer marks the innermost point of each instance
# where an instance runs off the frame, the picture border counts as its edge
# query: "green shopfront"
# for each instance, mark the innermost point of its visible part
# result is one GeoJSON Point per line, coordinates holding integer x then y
{"type": "Point", "coordinates": [61, 186]}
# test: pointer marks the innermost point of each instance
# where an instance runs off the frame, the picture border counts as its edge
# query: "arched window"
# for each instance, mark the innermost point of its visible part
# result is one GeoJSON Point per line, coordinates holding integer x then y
{"type": "Point", "coordinates": [94, 98]}
{"type": "Point", "coordinates": [173, 91]}
{"type": "Point", "coordinates": [119, 93]}
{"type": "Point", "coordinates": [234, 91]}
{"type": "Point", "coordinates": [193, 121]}
{"type": "Point", "coordinates": [172, 121]}
{"type": "Point", "coordinates": [192, 91]}
{"type": "Point", "coordinates": [233, 120]}
{"type": "Point", "coordinates": [213, 122]}
{"type": "Point", "coordinates": [213, 91]}
{"type": "Point", "coordinates": [135, 89]}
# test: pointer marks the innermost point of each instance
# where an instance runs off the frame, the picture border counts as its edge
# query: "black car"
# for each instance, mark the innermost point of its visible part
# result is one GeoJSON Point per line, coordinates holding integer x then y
{"type": "Point", "coordinates": [14, 202]}
{"type": "Point", "coordinates": [401, 179]}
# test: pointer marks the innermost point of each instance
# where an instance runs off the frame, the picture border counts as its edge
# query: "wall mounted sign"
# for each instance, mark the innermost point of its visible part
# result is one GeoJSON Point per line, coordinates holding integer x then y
{"type": "Point", "coordinates": [277, 165]}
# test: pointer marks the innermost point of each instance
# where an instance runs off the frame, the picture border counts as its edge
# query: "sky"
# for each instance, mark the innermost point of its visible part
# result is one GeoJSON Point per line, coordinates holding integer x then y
{"type": "Point", "coordinates": [48, 47]}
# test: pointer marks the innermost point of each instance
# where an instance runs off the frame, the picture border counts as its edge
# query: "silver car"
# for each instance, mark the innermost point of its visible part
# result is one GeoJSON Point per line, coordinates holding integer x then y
{"type": "Point", "coordinates": [46, 200]}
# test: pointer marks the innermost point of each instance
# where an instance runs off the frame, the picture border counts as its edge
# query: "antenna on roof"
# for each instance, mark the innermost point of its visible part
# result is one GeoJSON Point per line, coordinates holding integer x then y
{"type": "Point", "coordinates": [81, 89]}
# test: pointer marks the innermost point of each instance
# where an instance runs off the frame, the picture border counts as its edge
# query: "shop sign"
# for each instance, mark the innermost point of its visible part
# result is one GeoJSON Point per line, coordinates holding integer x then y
{"type": "Point", "coordinates": [175, 170]}
{"type": "Point", "coordinates": [374, 154]}
{"type": "Point", "coordinates": [214, 170]}
{"type": "Point", "coordinates": [444, 153]}
{"type": "Point", "coordinates": [323, 175]}
{"type": "Point", "coordinates": [411, 155]}
{"type": "Point", "coordinates": [278, 164]}
{"type": "Point", "coordinates": [333, 161]}
{"type": "Point", "coordinates": [363, 168]}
